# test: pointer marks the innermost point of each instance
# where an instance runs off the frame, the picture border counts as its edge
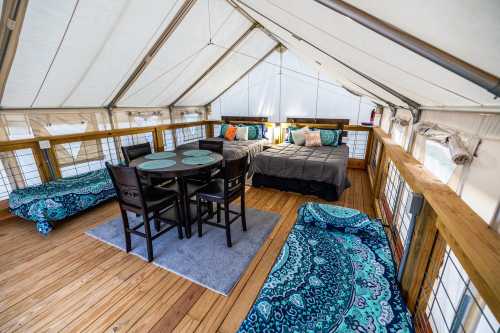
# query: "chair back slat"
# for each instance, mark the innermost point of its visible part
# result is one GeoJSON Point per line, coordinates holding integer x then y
{"type": "Point", "coordinates": [127, 185]}
{"type": "Point", "coordinates": [235, 173]}
{"type": "Point", "coordinates": [212, 145]}
{"type": "Point", "coordinates": [135, 151]}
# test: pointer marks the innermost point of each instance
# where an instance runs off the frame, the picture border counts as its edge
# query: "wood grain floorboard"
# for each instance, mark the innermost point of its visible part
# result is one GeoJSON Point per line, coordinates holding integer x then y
{"type": "Point", "coordinates": [69, 282]}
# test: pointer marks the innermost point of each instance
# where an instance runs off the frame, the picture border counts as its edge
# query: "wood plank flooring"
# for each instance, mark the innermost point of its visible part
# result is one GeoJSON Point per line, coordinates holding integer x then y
{"type": "Point", "coordinates": [70, 282]}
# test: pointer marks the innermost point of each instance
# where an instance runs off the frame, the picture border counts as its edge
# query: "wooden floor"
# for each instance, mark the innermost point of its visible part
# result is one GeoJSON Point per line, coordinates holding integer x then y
{"type": "Point", "coordinates": [71, 282]}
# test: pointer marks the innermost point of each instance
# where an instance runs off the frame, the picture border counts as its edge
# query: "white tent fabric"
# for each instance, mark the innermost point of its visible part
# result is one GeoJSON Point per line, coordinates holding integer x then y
{"type": "Point", "coordinates": [297, 92]}
{"type": "Point", "coordinates": [243, 57]}
{"type": "Point", "coordinates": [76, 53]}
{"type": "Point", "coordinates": [195, 45]}
{"type": "Point", "coordinates": [80, 53]}
{"type": "Point", "coordinates": [378, 57]}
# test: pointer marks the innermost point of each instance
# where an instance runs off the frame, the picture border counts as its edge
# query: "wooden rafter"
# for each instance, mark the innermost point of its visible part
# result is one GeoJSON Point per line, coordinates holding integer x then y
{"type": "Point", "coordinates": [169, 30]}
{"type": "Point", "coordinates": [246, 72]}
{"type": "Point", "coordinates": [11, 23]}
{"type": "Point", "coordinates": [217, 62]}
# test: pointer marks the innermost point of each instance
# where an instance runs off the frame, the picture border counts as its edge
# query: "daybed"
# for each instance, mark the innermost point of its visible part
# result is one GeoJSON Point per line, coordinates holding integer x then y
{"type": "Point", "coordinates": [335, 273]}
{"type": "Point", "coordinates": [59, 199]}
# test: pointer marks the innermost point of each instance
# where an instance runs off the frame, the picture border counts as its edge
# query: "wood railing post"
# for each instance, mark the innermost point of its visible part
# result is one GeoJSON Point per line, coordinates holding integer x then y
{"type": "Point", "coordinates": [422, 248]}
{"type": "Point", "coordinates": [369, 149]}
{"type": "Point", "coordinates": [53, 160]}
{"type": "Point", "coordinates": [381, 173]}
{"type": "Point", "coordinates": [158, 140]}
{"type": "Point", "coordinates": [43, 168]}
{"type": "Point", "coordinates": [209, 130]}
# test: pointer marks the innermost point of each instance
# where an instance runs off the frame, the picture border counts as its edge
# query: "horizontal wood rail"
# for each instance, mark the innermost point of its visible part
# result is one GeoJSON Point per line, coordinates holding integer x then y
{"type": "Point", "coordinates": [475, 244]}
{"type": "Point", "coordinates": [47, 158]}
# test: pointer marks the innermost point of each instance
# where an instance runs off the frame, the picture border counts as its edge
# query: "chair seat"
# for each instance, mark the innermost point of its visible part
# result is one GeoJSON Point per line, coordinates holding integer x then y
{"type": "Point", "coordinates": [204, 177]}
{"type": "Point", "coordinates": [158, 198]}
{"type": "Point", "coordinates": [214, 191]}
{"type": "Point", "coordinates": [192, 188]}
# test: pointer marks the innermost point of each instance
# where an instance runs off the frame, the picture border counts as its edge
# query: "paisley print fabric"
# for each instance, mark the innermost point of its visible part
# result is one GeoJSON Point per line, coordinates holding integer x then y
{"type": "Point", "coordinates": [329, 137]}
{"type": "Point", "coordinates": [61, 198]}
{"type": "Point", "coordinates": [334, 274]}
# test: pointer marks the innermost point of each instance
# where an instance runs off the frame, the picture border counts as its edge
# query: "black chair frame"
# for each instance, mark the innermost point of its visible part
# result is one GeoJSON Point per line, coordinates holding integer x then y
{"type": "Point", "coordinates": [132, 197]}
{"type": "Point", "coordinates": [234, 174]}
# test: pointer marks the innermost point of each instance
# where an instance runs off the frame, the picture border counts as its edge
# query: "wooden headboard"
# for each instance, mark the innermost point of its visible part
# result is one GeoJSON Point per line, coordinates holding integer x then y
{"type": "Point", "coordinates": [236, 119]}
{"type": "Point", "coordinates": [315, 123]}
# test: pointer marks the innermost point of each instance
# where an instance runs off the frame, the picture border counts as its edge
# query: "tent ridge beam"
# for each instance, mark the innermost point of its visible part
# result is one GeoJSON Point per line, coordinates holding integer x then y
{"type": "Point", "coordinates": [11, 22]}
{"type": "Point", "coordinates": [153, 51]}
{"type": "Point", "coordinates": [216, 63]}
{"type": "Point", "coordinates": [464, 69]}
{"type": "Point", "coordinates": [268, 53]}
{"type": "Point", "coordinates": [411, 103]}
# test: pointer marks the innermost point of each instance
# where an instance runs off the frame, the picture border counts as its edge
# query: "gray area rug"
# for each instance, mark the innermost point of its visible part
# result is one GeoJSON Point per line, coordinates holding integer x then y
{"type": "Point", "coordinates": [206, 261]}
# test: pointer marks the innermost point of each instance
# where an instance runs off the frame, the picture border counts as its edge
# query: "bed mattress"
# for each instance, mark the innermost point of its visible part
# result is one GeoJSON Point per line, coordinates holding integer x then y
{"type": "Point", "coordinates": [325, 164]}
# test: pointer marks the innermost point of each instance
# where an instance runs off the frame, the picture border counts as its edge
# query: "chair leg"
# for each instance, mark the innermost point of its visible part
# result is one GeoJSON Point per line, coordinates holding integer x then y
{"type": "Point", "coordinates": [198, 216]}
{"type": "Point", "coordinates": [149, 240]}
{"type": "Point", "coordinates": [156, 218]}
{"type": "Point", "coordinates": [126, 227]}
{"type": "Point", "coordinates": [210, 208]}
{"type": "Point", "coordinates": [243, 212]}
{"type": "Point", "coordinates": [218, 212]}
{"type": "Point", "coordinates": [179, 219]}
{"type": "Point", "coordinates": [228, 225]}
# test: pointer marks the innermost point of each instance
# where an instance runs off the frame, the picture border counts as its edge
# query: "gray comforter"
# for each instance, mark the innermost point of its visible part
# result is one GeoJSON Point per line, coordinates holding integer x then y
{"type": "Point", "coordinates": [235, 149]}
{"type": "Point", "coordinates": [326, 164]}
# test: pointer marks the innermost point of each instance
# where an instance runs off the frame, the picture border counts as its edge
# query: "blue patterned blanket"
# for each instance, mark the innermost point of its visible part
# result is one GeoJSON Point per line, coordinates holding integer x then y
{"type": "Point", "coordinates": [59, 199]}
{"type": "Point", "coordinates": [335, 273]}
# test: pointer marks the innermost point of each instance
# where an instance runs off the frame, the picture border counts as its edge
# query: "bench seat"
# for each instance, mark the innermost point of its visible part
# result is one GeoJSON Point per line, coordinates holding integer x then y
{"type": "Point", "coordinates": [335, 273]}
{"type": "Point", "coordinates": [61, 198]}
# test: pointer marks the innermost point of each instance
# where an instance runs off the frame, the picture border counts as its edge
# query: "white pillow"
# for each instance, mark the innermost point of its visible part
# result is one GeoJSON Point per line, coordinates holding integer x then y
{"type": "Point", "coordinates": [299, 137]}
{"type": "Point", "coordinates": [242, 133]}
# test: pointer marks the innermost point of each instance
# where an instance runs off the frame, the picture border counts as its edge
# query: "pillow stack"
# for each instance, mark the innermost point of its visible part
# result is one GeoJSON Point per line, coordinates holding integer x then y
{"type": "Point", "coordinates": [314, 138]}
{"type": "Point", "coordinates": [243, 131]}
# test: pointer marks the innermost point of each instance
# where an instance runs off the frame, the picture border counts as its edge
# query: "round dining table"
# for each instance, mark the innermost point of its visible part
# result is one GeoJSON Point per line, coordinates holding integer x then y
{"type": "Point", "coordinates": [180, 171]}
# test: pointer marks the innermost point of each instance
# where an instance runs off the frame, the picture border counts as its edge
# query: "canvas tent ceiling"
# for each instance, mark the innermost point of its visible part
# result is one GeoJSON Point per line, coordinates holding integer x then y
{"type": "Point", "coordinates": [81, 53]}
{"type": "Point", "coordinates": [410, 74]}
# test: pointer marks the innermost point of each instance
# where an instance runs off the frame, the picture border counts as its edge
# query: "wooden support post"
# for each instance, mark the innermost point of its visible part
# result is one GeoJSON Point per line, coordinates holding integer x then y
{"type": "Point", "coordinates": [421, 248]}
{"type": "Point", "coordinates": [11, 23]}
{"type": "Point", "coordinates": [158, 141]}
{"type": "Point", "coordinates": [369, 149]}
{"type": "Point", "coordinates": [381, 174]}
{"type": "Point", "coordinates": [43, 168]}
{"type": "Point", "coordinates": [53, 160]}
{"type": "Point", "coordinates": [209, 130]}
{"type": "Point", "coordinates": [432, 271]}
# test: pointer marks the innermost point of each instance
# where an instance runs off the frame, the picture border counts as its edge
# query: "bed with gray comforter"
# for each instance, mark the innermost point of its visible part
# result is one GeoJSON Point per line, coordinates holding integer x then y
{"type": "Point", "coordinates": [235, 149]}
{"type": "Point", "coordinates": [320, 171]}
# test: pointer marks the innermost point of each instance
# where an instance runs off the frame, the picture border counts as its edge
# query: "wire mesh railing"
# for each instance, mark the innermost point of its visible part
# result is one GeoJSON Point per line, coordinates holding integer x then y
{"type": "Point", "coordinates": [18, 169]}
{"type": "Point", "coordinates": [431, 229]}
{"type": "Point", "coordinates": [454, 304]}
{"type": "Point", "coordinates": [79, 157]}
{"type": "Point", "coordinates": [189, 134]}
{"type": "Point", "coordinates": [357, 142]}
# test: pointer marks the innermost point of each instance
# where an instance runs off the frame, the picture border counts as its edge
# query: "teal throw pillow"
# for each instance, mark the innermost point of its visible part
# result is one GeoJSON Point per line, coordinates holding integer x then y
{"type": "Point", "coordinates": [329, 137]}
{"type": "Point", "coordinates": [223, 130]}
{"type": "Point", "coordinates": [290, 130]}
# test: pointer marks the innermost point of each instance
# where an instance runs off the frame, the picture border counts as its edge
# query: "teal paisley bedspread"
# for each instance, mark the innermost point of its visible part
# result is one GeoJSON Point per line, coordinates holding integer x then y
{"type": "Point", "coordinates": [59, 199]}
{"type": "Point", "coordinates": [335, 273]}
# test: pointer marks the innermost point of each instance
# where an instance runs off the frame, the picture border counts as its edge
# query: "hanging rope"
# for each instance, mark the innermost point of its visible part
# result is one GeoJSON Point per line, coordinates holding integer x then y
{"type": "Point", "coordinates": [209, 24]}
{"type": "Point", "coordinates": [317, 96]}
